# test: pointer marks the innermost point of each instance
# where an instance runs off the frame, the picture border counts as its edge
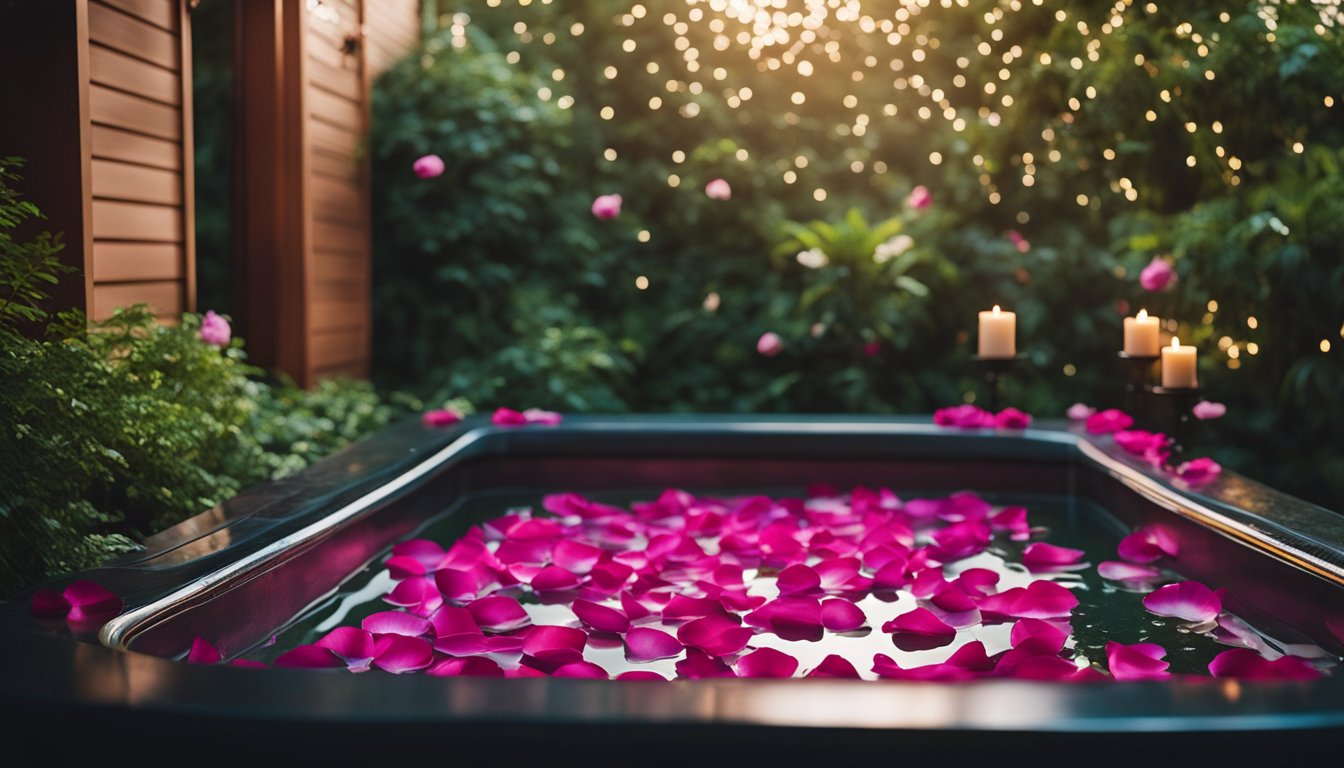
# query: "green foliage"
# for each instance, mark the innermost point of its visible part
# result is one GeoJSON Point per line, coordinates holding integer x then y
{"type": "Point", "coordinates": [118, 429]}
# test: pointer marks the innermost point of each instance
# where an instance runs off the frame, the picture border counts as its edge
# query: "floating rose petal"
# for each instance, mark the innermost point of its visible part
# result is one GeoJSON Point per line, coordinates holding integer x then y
{"type": "Point", "coordinates": [634, 609]}
{"type": "Point", "coordinates": [1206, 411]}
{"type": "Point", "coordinates": [1142, 661]}
{"type": "Point", "coordinates": [698, 665]}
{"type": "Point", "coordinates": [49, 604]}
{"type": "Point", "coordinates": [1108, 421]}
{"type": "Point", "coordinates": [797, 580]}
{"type": "Point", "coordinates": [1188, 600]}
{"type": "Point", "coordinates": [1038, 600]}
{"type": "Point", "coordinates": [1012, 418]}
{"type": "Point", "coordinates": [396, 623]}
{"type": "Point", "coordinates": [1080, 411]}
{"type": "Point", "coordinates": [885, 667]}
{"type": "Point", "coordinates": [553, 578]}
{"type": "Point", "coordinates": [647, 644]}
{"type": "Point", "coordinates": [417, 594]}
{"type": "Point", "coordinates": [1129, 572]}
{"type": "Point", "coordinates": [498, 613]}
{"type": "Point", "coordinates": [457, 585]}
{"type": "Point", "coordinates": [555, 645]}
{"type": "Point", "coordinates": [1148, 543]}
{"type": "Point", "coordinates": [1041, 556]}
{"type": "Point", "coordinates": [1199, 471]}
{"type": "Point", "coordinates": [960, 540]}
{"type": "Point", "coordinates": [977, 581]}
{"type": "Point", "coordinates": [523, 671]}
{"type": "Point", "coordinates": [505, 647]}
{"type": "Point", "coordinates": [471, 666]}
{"type": "Point", "coordinates": [1039, 637]}
{"type": "Point", "coordinates": [356, 646]}
{"type": "Point", "coordinates": [203, 652]}
{"type": "Point", "coordinates": [576, 556]}
{"type": "Point", "coordinates": [441, 417]}
{"type": "Point", "coordinates": [398, 653]}
{"type": "Point", "coordinates": [835, 666]}
{"type": "Point", "coordinates": [683, 607]}
{"type": "Point", "coordinates": [600, 617]}
{"type": "Point", "coordinates": [767, 662]}
{"type": "Point", "coordinates": [840, 615]}
{"type": "Point", "coordinates": [452, 620]}
{"type": "Point", "coordinates": [429, 553]}
{"type": "Point", "coordinates": [953, 599]}
{"type": "Point", "coordinates": [402, 567]}
{"type": "Point", "coordinates": [788, 615]}
{"type": "Point", "coordinates": [91, 602]}
{"type": "Point", "coordinates": [920, 621]}
{"type": "Point", "coordinates": [716, 634]}
{"type": "Point", "coordinates": [642, 674]}
{"type": "Point", "coordinates": [1249, 665]}
{"type": "Point", "coordinates": [1013, 520]}
{"type": "Point", "coordinates": [586, 670]}
{"type": "Point", "coordinates": [1050, 668]}
{"type": "Point", "coordinates": [309, 657]}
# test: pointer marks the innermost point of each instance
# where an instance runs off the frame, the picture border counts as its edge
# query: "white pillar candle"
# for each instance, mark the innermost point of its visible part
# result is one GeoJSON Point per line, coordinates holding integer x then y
{"type": "Point", "coordinates": [998, 333]}
{"type": "Point", "coordinates": [1141, 337]}
{"type": "Point", "coordinates": [1178, 366]}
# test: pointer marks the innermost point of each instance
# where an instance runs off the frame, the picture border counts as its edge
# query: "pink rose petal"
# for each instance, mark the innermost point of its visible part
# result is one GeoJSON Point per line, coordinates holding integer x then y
{"type": "Point", "coordinates": [1080, 411]}
{"type": "Point", "coordinates": [1038, 600]}
{"type": "Point", "coordinates": [429, 553]}
{"type": "Point", "coordinates": [1188, 600]}
{"type": "Point", "coordinates": [91, 601]}
{"type": "Point", "coordinates": [538, 416]}
{"type": "Point", "coordinates": [203, 652]}
{"type": "Point", "coordinates": [1142, 661]}
{"type": "Point", "coordinates": [1199, 471]}
{"type": "Point", "coordinates": [441, 417]}
{"type": "Point", "coordinates": [507, 417]}
{"type": "Point", "coordinates": [575, 556]}
{"type": "Point", "coordinates": [789, 615]}
{"type": "Point", "coordinates": [920, 621]}
{"type": "Point", "coordinates": [498, 647]}
{"type": "Point", "coordinates": [770, 344]}
{"type": "Point", "coordinates": [718, 189]}
{"type": "Point", "coordinates": [1012, 418]}
{"type": "Point", "coordinates": [553, 578]}
{"type": "Point", "coordinates": [1041, 556]}
{"type": "Point", "coordinates": [428, 166]}
{"type": "Point", "coordinates": [1206, 411]}
{"type": "Point", "coordinates": [1157, 275]}
{"type": "Point", "coordinates": [797, 580]}
{"type": "Point", "coordinates": [977, 581]}
{"type": "Point", "coordinates": [836, 667]}
{"type": "Point", "coordinates": [471, 666]}
{"type": "Point", "coordinates": [1140, 443]}
{"type": "Point", "coordinates": [642, 674]}
{"type": "Point", "coordinates": [396, 623]}
{"type": "Point", "coordinates": [399, 654]}
{"type": "Point", "coordinates": [766, 662]}
{"type": "Point", "coordinates": [606, 207]}
{"type": "Point", "coordinates": [498, 613]}
{"type": "Point", "coordinates": [48, 603]}
{"type": "Point", "coordinates": [600, 617]}
{"type": "Point", "coordinates": [402, 567]}
{"type": "Point", "coordinates": [1013, 520]}
{"type": "Point", "coordinates": [555, 645]}
{"type": "Point", "coordinates": [1039, 637]}
{"type": "Point", "coordinates": [885, 667]}
{"type": "Point", "coordinates": [354, 645]}
{"type": "Point", "coordinates": [699, 665]}
{"type": "Point", "coordinates": [1128, 572]}
{"type": "Point", "coordinates": [1047, 668]}
{"type": "Point", "coordinates": [715, 634]}
{"type": "Point", "coordinates": [840, 615]}
{"type": "Point", "coordinates": [1249, 665]}
{"type": "Point", "coordinates": [1108, 421]}
{"type": "Point", "coordinates": [309, 657]}
{"type": "Point", "coordinates": [452, 620]}
{"type": "Point", "coordinates": [457, 585]}
{"type": "Point", "coordinates": [647, 644]}
{"type": "Point", "coordinates": [1146, 544]}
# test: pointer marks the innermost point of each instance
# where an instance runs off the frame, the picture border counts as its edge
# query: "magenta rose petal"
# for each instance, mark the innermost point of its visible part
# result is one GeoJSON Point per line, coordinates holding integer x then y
{"type": "Point", "coordinates": [555, 645]}
{"type": "Point", "coordinates": [427, 552]}
{"type": "Point", "coordinates": [600, 617]}
{"type": "Point", "coordinates": [523, 671]}
{"type": "Point", "coordinates": [838, 573]}
{"type": "Point", "coordinates": [1013, 520]}
{"type": "Point", "coordinates": [453, 620]}
{"type": "Point", "coordinates": [766, 662]}
{"type": "Point", "coordinates": [309, 657]}
{"type": "Point", "coordinates": [1146, 544]}
{"type": "Point", "coordinates": [1249, 665]}
{"type": "Point", "coordinates": [356, 646]}
{"type": "Point", "coordinates": [1045, 668]}
{"type": "Point", "coordinates": [576, 557]}
{"type": "Point", "coordinates": [1042, 556]}
{"type": "Point", "coordinates": [1142, 661]}
{"type": "Point", "coordinates": [840, 615]}
{"type": "Point", "coordinates": [699, 665]}
{"type": "Point", "coordinates": [498, 647]}
{"type": "Point", "coordinates": [49, 604]}
{"type": "Point", "coordinates": [977, 581]}
{"type": "Point", "coordinates": [202, 652]}
{"type": "Point", "coordinates": [885, 667]}
{"type": "Point", "coordinates": [797, 580]}
{"type": "Point", "coordinates": [787, 613]}
{"type": "Point", "coordinates": [920, 621]}
{"type": "Point", "coordinates": [1188, 600]}
{"type": "Point", "coordinates": [836, 667]}
{"type": "Point", "coordinates": [498, 613]}
{"type": "Point", "coordinates": [399, 654]}
{"type": "Point", "coordinates": [647, 644]}
{"type": "Point", "coordinates": [456, 584]}
{"type": "Point", "coordinates": [507, 417]}
{"type": "Point", "coordinates": [1108, 421]}
{"type": "Point", "coordinates": [553, 578]}
{"type": "Point", "coordinates": [1038, 600]}
{"type": "Point", "coordinates": [715, 634]}
{"type": "Point", "coordinates": [1115, 570]}
{"type": "Point", "coordinates": [440, 417]}
{"type": "Point", "coordinates": [642, 675]}
{"type": "Point", "coordinates": [683, 607]}
{"type": "Point", "coordinates": [1039, 637]}
{"type": "Point", "coordinates": [953, 600]}
{"type": "Point", "coordinates": [90, 601]}
{"type": "Point", "coordinates": [470, 666]}
{"type": "Point", "coordinates": [396, 623]}
{"type": "Point", "coordinates": [634, 609]}
{"type": "Point", "coordinates": [402, 567]}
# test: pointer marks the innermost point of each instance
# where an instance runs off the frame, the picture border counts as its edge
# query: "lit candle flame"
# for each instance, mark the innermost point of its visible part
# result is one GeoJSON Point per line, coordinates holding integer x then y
{"type": "Point", "coordinates": [996, 309]}
{"type": "Point", "coordinates": [1143, 314]}
{"type": "Point", "coordinates": [1175, 342]}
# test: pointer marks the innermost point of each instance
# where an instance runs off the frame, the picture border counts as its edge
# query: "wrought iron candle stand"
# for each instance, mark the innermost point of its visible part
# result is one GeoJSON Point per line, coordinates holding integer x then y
{"type": "Point", "coordinates": [1139, 370]}
{"type": "Point", "coordinates": [994, 370]}
{"type": "Point", "coordinates": [1180, 417]}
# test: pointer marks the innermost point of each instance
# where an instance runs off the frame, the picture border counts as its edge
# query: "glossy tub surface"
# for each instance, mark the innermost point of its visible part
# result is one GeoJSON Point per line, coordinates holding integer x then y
{"type": "Point", "coordinates": [240, 572]}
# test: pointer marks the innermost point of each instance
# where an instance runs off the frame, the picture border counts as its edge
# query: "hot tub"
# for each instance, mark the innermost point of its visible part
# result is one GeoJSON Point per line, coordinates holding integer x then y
{"type": "Point", "coordinates": [243, 572]}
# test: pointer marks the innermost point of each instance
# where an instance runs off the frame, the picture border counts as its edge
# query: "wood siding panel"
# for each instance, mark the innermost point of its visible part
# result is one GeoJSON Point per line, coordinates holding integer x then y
{"type": "Point", "coordinates": [394, 29]}
{"type": "Point", "coordinates": [339, 142]}
{"type": "Point", "coordinates": [160, 13]}
{"type": "Point", "coordinates": [117, 262]}
{"type": "Point", "coordinates": [122, 110]}
{"type": "Point", "coordinates": [122, 181]}
{"type": "Point", "coordinates": [344, 111]}
{"type": "Point", "coordinates": [111, 68]}
{"type": "Point", "coordinates": [335, 348]}
{"type": "Point", "coordinates": [337, 266]}
{"type": "Point", "coordinates": [137, 221]}
{"type": "Point", "coordinates": [134, 37]}
{"type": "Point", "coordinates": [115, 144]}
{"type": "Point", "coordinates": [164, 298]}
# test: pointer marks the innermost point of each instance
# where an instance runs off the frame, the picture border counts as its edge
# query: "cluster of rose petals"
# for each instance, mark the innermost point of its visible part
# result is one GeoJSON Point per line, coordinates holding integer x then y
{"type": "Point", "coordinates": [84, 604]}
{"type": "Point", "coordinates": [920, 198]}
{"type": "Point", "coordinates": [607, 207]}
{"type": "Point", "coordinates": [440, 417]}
{"type": "Point", "coordinates": [718, 189]}
{"type": "Point", "coordinates": [1157, 275]}
{"type": "Point", "coordinates": [1198, 471]}
{"type": "Point", "coordinates": [973, 417]}
{"type": "Point", "coordinates": [215, 329]}
{"type": "Point", "coordinates": [1109, 421]}
{"type": "Point", "coordinates": [1153, 447]}
{"type": "Point", "coordinates": [508, 417]}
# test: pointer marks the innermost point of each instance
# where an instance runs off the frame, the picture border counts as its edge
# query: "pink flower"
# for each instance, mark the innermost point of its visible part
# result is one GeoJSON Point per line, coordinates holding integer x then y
{"type": "Point", "coordinates": [1019, 242]}
{"type": "Point", "coordinates": [1080, 411]}
{"type": "Point", "coordinates": [1205, 411]}
{"type": "Point", "coordinates": [920, 198]}
{"type": "Point", "coordinates": [718, 189]}
{"type": "Point", "coordinates": [1108, 421]}
{"type": "Point", "coordinates": [215, 329]}
{"type": "Point", "coordinates": [428, 167]}
{"type": "Point", "coordinates": [441, 417]}
{"type": "Point", "coordinates": [1199, 471]}
{"type": "Point", "coordinates": [1157, 275]}
{"type": "Point", "coordinates": [769, 344]}
{"type": "Point", "coordinates": [1012, 418]}
{"type": "Point", "coordinates": [607, 207]}
{"type": "Point", "coordinates": [963, 416]}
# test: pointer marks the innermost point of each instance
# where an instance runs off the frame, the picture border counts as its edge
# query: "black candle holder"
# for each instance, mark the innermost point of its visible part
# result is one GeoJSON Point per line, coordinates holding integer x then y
{"type": "Point", "coordinates": [1181, 418]}
{"type": "Point", "coordinates": [995, 369]}
{"type": "Point", "coordinates": [1139, 371]}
